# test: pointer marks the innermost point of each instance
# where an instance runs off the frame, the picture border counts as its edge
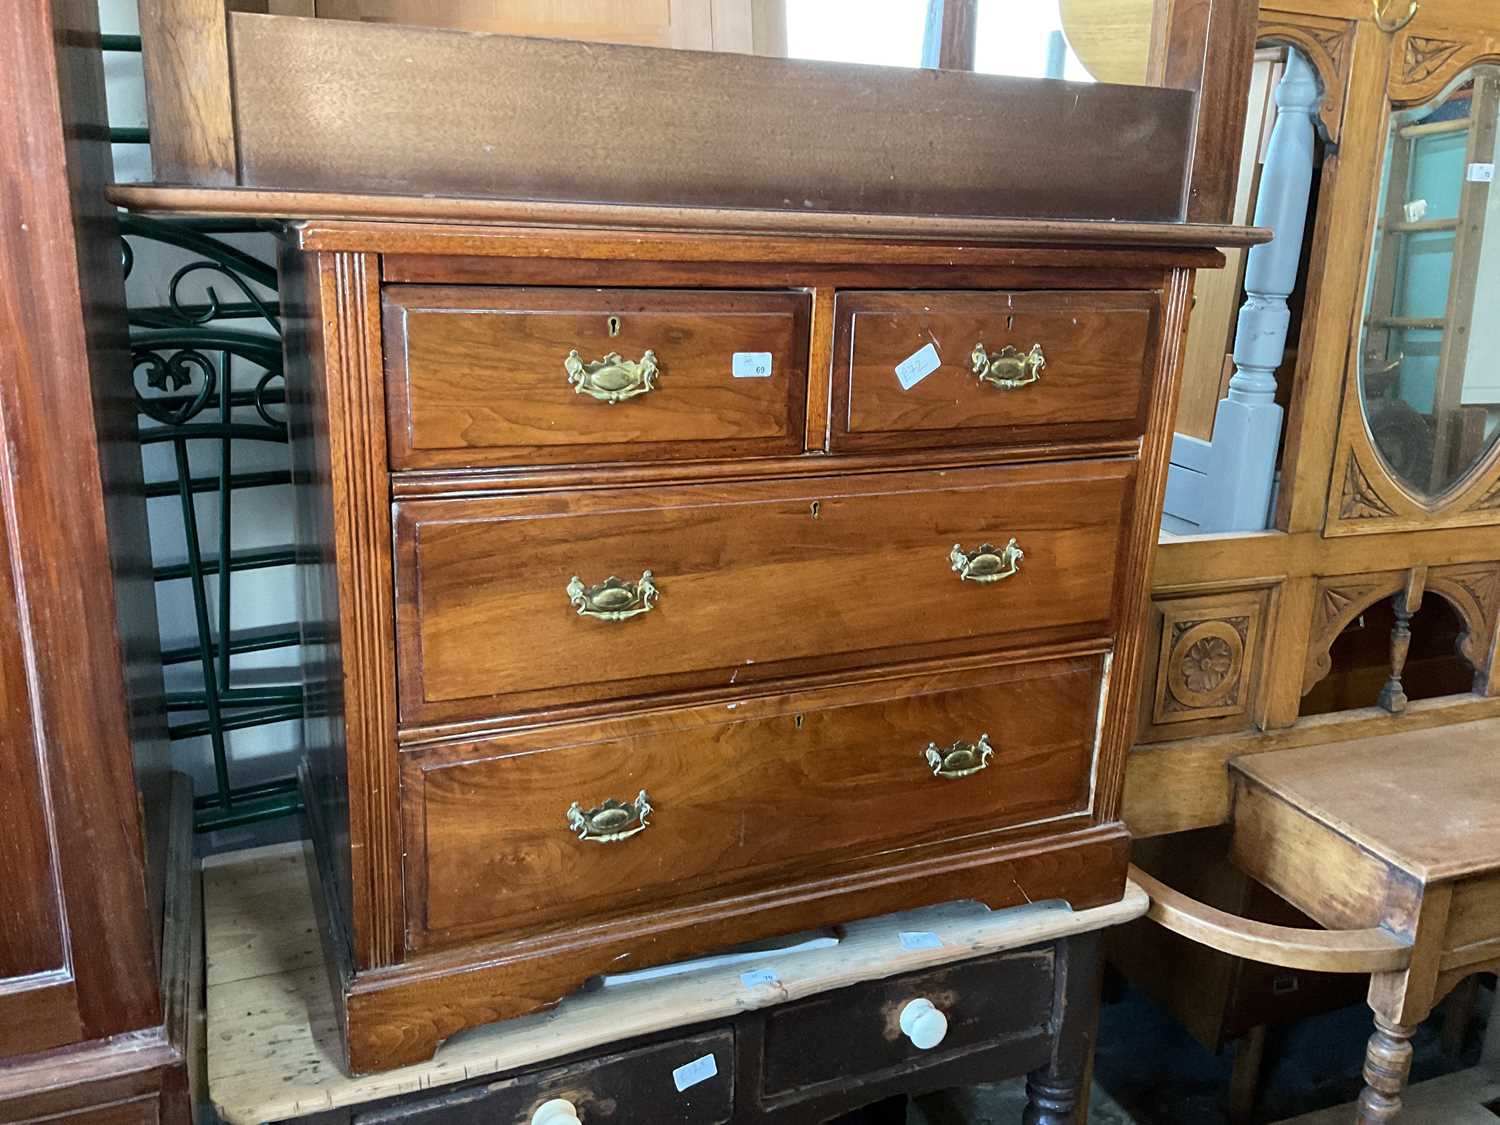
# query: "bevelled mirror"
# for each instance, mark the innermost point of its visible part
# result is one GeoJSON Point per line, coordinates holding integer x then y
{"type": "Point", "coordinates": [1430, 348]}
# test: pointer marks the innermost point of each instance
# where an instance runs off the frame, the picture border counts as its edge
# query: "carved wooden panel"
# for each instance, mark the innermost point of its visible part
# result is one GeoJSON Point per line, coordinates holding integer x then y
{"type": "Point", "coordinates": [1328, 44]}
{"type": "Point", "coordinates": [1209, 649]}
{"type": "Point", "coordinates": [1474, 591]}
{"type": "Point", "coordinates": [1337, 602]}
{"type": "Point", "coordinates": [1430, 52]}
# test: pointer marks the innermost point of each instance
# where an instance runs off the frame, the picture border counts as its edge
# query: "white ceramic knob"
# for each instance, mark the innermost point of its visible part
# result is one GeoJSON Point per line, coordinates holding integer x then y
{"type": "Point", "coordinates": [923, 1024]}
{"type": "Point", "coordinates": [559, 1111]}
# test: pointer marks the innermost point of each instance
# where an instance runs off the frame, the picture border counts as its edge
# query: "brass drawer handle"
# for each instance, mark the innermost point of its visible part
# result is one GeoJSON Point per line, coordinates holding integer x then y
{"type": "Point", "coordinates": [614, 599]}
{"type": "Point", "coordinates": [986, 564]}
{"type": "Point", "coordinates": [611, 821]}
{"type": "Point", "coordinates": [1008, 369]}
{"type": "Point", "coordinates": [611, 379]}
{"type": "Point", "coordinates": [961, 759]}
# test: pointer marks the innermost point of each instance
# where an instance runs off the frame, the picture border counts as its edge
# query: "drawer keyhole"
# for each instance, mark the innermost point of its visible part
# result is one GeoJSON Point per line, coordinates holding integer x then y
{"type": "Point", "coordinates": [614, 326]}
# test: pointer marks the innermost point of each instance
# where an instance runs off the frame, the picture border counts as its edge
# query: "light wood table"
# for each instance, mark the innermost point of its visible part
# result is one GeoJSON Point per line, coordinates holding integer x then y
{"type": "Point", "coordinates": [1400, 832]}
{"type": "Point", "coordinates": [273, 1045]}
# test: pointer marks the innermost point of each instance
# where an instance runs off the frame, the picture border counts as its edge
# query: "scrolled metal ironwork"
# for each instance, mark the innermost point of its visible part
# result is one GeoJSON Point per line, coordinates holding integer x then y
{"type": "Point", "coordinates": [197, 367]}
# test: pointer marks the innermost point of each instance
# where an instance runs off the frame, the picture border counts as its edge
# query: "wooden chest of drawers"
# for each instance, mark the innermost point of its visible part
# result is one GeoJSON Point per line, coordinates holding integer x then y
{"type": "Point", "coordinates": [672, 589]}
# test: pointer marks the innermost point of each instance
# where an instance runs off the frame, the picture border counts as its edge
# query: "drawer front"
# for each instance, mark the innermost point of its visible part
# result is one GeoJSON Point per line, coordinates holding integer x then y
{"type": "Point", "coordinates": [747, 581]}
{"type": "Point", "coordinates": [481, 376]}
{"type": "Point", "coordinates": [763, 790]}
{"type": "Point", "coordinates": [854, 1035]}
{"type": "Point", "coordinates": [627, 1088]}
{"type": "Point", "coordinates": [1077, 369]}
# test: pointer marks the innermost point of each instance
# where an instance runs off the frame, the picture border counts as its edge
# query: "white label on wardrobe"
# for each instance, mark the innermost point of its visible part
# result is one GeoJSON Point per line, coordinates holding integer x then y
{"type": "Point", "coordinates": [919, 939]}
{"type": "Point", "coordinates": [751, 365]}
{"type": "Point", "coordinates": [690, 1074]}
{"type": "Point", "coordinates": [757, 977]}
{"type": "Point", "coordinates": [1481, 173]}
{"type": "Point", "coordinates": [917, 366]}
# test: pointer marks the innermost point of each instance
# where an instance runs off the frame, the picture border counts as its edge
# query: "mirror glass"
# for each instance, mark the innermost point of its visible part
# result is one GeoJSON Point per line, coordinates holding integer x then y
{"type": "Point", "coordinates": [882, 32]}
{"type": "Point", "coordinates": [1429, 357]}
{"type": "Point", "coordinates": [1022, 38]}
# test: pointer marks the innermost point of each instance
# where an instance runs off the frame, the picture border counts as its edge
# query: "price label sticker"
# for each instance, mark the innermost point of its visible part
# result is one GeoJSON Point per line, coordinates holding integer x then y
{"type": "Point", "coordinates": [917, 366]}
{"type": "Point", "coordinates": [757, 977]}
{"type": "Point", "coordinates": [920, 939]}
{"type": "Point", "coordinates": [750, 365]}
{"type": "Point", "coordinates": [1481, 173]}
{"type": "Point", "coordinates": [690, 1074]}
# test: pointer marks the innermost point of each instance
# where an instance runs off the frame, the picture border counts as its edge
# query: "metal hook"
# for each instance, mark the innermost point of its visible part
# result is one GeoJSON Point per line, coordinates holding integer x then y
{"type": "Point", "coordinates": [1380, 8]}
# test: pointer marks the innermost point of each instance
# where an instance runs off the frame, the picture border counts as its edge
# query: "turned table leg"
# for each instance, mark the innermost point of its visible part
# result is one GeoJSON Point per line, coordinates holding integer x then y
{"type": "Point", "coordinates": [1387, 1065]}
{"type": "Point", "coordinates": [1054, 1092]}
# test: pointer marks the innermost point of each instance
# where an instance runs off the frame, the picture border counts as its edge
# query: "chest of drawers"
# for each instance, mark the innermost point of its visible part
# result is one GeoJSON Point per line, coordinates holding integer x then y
{"type": "Point", "coordinates": [672, 589]}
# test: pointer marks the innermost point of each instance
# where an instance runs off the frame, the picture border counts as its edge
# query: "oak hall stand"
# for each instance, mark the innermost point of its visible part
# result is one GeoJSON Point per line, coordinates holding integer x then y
{"type": "Point", "coordinates": [797, 1038]}
{"type": "Point", "coordinates": [1243, 626]}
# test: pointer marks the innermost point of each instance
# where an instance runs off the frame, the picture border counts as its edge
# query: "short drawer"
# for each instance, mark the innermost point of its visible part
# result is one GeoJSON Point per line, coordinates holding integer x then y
{"type": "Point", "coordinates": [637, 1087]}
{"type": "Point", "coordinates": [510, 604]}
{"type": "Point", "coordinates": [916, 369]}
{"type": "Point", "coordinates": [479, 376]}
{"type": "Point", "coordinates": [545, 829]}
{"type": "Point", "coordinates": [855, 1036]}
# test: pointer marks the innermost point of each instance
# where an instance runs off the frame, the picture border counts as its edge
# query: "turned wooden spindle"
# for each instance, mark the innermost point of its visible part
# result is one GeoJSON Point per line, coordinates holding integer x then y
{"type": "Point", "coordinates": [1393, 695]}
{"type": "Point", "coordinates": [1387, 1064]}
{"type": "Point", "coordinates": [1405, 602]}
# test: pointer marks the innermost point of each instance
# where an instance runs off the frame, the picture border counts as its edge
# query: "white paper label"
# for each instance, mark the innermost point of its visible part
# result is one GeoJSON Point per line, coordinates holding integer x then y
{"type": "Point", "coordinates": [917, 366]}
{"type": "Point", "coordinates": [1481, 173]}
{"type": "Point", "coordinates": [757, 977]}
{"type": "Point", "coordinates": [1416, 210]}
{"type": "Point", "coordinates": [920, 939]}
{"type": "Point", "coordinates": [690, 1074]}
{"type": "Point", "coordinates": [750, 365]}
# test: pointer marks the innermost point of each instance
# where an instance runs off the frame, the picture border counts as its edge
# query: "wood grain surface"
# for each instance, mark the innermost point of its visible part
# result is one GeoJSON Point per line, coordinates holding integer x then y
{"type": "Point", "coordinates": [1422, 800]}
{"type": "Point", "coordinates": [449, 112]}
{"type": "Point", "coordinates": [475, 376]}
{"type": "Point", "coordinates": [737, 802]}
{"type": "Point", "coordinates": [755, 580]}
{"type": "Point", "coordinates": [81, 693]}
{"type": "Point", "coordinates": [281, 1060]}
{"type": "Point", "coordinates": [350, 220]}
{"type": "Point", "coordinates": [1094, 385]}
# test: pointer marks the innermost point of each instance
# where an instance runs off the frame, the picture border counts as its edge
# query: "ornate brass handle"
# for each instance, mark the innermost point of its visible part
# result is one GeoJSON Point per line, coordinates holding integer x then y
{"type": "Point", "coordinates": [1008, 369]}
{"type": "Point", "coordinates": [986, 563]}
{"type": "Point", "coordinates": [961, 759]}
{"type": "Point", "coordinates": [612, 821]}
{"type": "Point", "coordinates": [611, 379]}
{"type": "Point", "coordinates": [614, 599]}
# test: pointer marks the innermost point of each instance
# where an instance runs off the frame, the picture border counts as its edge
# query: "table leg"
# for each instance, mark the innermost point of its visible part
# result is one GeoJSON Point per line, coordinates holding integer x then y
{"type": "Point", "coordinates": [1401, 1000]}
{"type": "Point", "coordinates": [1054, 1092]}
{"type": "Point", "coordinates": [1387, 1065]}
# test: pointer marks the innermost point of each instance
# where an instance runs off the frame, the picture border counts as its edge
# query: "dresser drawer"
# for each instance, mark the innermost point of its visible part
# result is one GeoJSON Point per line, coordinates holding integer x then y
{"type": "Point", "coordinates": [637, 1087]}
{"type": "Point", "coordinates": [854, 1036]}
{"type": "Point", "coordinates": [479, 376]}
{"type": "Point", "coordinates": [1056, 367]}
{"type": "Point", "coordinates": [794, 785]}
{"type": "Point", "coordinates": [747, 581]}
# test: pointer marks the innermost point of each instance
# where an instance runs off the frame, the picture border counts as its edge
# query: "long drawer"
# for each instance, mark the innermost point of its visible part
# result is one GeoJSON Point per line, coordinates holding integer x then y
{"type": "Point", "coordinates": [688, 1081]}
{"type": "Point", "coordinates": [548, 599]}
{"type": "Point", "coordinates": [480, 376]}
{"type": "Point", "coordinates": [919, 369]}
{"type": "Point", "coordinates": [834, 1040]}
{"type": "Point", "coordinates": [544, 828]}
